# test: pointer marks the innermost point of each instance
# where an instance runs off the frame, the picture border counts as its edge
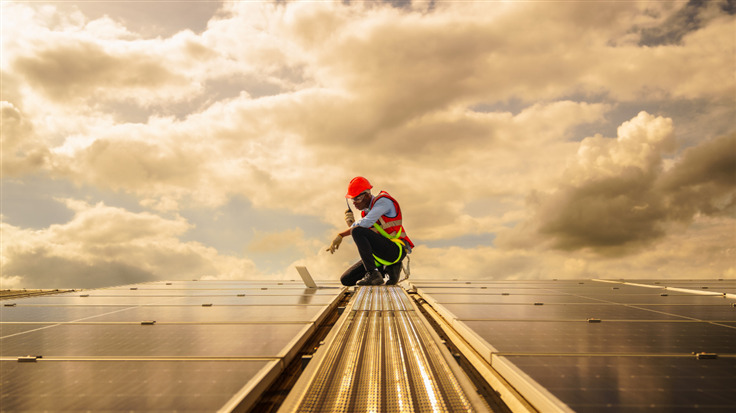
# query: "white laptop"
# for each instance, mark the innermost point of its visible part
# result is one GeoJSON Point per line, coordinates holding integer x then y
{"type": "Point", "coordinates": [306, 276]}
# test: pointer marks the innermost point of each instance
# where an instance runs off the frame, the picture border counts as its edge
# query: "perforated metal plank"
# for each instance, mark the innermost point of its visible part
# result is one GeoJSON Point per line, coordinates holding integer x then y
{"type": "Point", "coordinates": [382, 359]}
{"type": "Point", "coordinates": [130, 386]}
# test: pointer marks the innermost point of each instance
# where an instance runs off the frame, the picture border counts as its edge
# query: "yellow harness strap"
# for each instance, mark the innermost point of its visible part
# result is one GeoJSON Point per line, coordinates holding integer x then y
{"type": "Point", "coordinates": [380, 261]}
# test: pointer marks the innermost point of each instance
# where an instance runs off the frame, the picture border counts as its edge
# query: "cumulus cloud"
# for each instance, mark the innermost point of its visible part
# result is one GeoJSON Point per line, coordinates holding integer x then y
{"type": "Point", "coordinates": [79, 69]}
{"type": "Point", "coordinates": [692, 16]}
{"type": "Point", "coordinates": [616, 196]}
{"type": "Point", "coordinates": [465, 111]}
{"type": "Point", "coordinates": [343, 83]}
{"type": "Point", "coordinates": [702, 180]}
{"type": "Point", "coordinates": [103, 246]}
{"type": "Point", "coordinates": [22, 151]}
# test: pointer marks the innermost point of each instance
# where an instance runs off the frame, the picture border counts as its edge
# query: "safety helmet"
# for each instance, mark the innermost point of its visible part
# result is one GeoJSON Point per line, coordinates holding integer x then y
{"type": "Point", "coordinates": [357, 186]}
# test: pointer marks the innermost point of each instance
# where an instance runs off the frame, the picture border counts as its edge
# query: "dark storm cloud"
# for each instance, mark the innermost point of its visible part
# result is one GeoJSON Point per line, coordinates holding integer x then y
{"type": "Point", "coordinates": [703, 181]}
{"type": "Point", "coordinates": [614, 215]}
{"type": "Point", "coordinates": [693, 16]}
{"type": "Point", "coordinates": [607, 214]}
{"type": "Point", "coordinates": [620, 195]}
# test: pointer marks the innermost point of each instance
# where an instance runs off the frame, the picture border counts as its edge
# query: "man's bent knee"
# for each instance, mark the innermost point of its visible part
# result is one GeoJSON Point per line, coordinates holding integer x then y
{"type": "Point", "coordinates": [357, 230]}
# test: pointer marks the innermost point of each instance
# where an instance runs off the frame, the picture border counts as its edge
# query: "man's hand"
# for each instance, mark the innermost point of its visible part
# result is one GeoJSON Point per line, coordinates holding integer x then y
{"type": "Point", "coordinates": [349, 217]}
{"type": "Point", "coordinates": [335, 244]}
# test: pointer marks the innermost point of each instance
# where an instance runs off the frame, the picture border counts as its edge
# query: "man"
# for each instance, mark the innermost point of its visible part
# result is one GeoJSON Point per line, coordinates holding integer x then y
{"type": "Point", "coordinates": [379, 235]}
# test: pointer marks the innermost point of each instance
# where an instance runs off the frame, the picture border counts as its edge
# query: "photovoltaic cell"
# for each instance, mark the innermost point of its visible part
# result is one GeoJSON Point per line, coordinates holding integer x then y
{"type": "Point", "coordinates": [555, 312]}
{"type": "Point", "coordinates": [659, 298]}
{"type": "Point", "coordinates": [85, 299]}
{"type": "Point", "coordinates": [165, 340]}
{"type": "Point", "coordinates": [244, 330]}
{"type": "Point", "coordinates": [251, 299]}
{"type": "Point", "coordinates": [604, 346]}
{"type": "Point", "coordinates": [215, 314]}
{"type": "Point", "coordinates": [718, 312]}
{"type": "Point", "coordinates": [7, 330]}
{"type": "Point", "coordinates": [625, 383]}
{"type": "Point", "coordinates": [138, 386]}
{"type": "Point", "coordinates": [53, 314]}
{"type": "Point", "coordinates": [622, 337]}
{"type": "Point", "coordinates": [508, 299]}
{"type": "Point", "coordinates": [211, 292]}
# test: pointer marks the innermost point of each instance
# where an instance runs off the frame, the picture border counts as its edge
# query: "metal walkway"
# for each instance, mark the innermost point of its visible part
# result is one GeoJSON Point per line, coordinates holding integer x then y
{"type": "Point", "coordinates": [383, 357]}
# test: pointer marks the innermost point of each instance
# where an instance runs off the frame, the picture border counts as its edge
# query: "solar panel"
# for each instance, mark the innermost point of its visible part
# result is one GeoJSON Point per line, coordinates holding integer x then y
{"type": "Point", "coordinates": [159, 340]}
{"type": "Point", "coordinates": [595, 345]}
{"type": "Point", "coordinates": [216, 314]}
{"type": "Point", "coordinates": [499, 298]}
{"type": "Point", "coordinates": [52, 314]}
{"type": "Point", "coordinates": [548, 311]}
{"type": "Point", "coordinates": [170, 346]}
{"type": "Point", "coordinates": [130, 385]}
{"type": "Point", "coordinates": [630, 383]}
{"type": "Point", "coordinates": [621, 337]}
{"type": "Point", "coordinates": [250, 299]}
{"type": "Point", "coordinates": [86, 299]}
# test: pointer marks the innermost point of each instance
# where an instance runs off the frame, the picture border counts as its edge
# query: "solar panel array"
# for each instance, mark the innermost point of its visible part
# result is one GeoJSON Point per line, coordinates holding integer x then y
{"type": "Point", "coordinates": [595, 345]}
{"type": "Point", "coordinates": [165, 346]}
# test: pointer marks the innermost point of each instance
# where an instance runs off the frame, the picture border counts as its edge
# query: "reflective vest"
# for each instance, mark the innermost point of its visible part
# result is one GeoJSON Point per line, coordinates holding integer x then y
{"type": "Point", "coordinates": [390, 228]}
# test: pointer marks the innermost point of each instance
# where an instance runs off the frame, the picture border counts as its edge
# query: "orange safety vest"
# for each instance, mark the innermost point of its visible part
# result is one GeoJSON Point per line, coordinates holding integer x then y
{"type": "Point", "coordinates": [392, 226]}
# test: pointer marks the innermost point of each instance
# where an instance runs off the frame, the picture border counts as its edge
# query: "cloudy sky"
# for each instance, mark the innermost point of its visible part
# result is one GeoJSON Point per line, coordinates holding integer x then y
{"type": "Point", "coordinates": [156, 140]}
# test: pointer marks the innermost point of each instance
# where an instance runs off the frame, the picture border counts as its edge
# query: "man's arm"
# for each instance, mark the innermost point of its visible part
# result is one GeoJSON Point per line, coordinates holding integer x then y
{"type": "Point", "coordinates": [382, 207]}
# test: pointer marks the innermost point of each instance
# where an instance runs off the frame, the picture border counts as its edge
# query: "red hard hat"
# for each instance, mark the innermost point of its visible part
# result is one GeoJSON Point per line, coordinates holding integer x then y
{"type": "Point", "coordinates": [357, 186]}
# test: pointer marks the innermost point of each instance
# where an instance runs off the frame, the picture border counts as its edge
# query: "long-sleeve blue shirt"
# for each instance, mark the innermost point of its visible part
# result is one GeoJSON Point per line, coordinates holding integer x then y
{"type": "Point", "coordinates": [383, 206]}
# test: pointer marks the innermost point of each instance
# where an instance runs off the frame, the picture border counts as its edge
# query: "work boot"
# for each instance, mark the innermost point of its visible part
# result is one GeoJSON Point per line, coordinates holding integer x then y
{"type": "Point", "coordinates": [371, 278]}
{"type": "Point", "coordinates": [393, 272]}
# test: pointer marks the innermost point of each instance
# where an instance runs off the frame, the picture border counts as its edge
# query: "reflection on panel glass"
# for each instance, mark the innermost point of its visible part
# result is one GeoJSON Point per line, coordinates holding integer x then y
{"type": "Point", "coordinates": [509, 299]}
{"type": "Point", "coordinates": [159, 340]}
{"type": "Point", "coordinates": [54, 313]}
{"type": "Point", "coordinates": [7, 330]}
{"type": "Point", "coordinates": [595, 384]}
{"type": "Point", "coordinates": [602, 346]}
{"type": "Point", "coordinates": [554, 312]}
{"type": "Point", "coordinates": [246, 299]}
{"type": "Point", "coordinates": [215, 314]}
{"type": "Point", "coordinates": [170, 325]}
{"type": "Point", "coordinates": [86, 299]}
{"type": "Point", "coordinates": [143, 292]}
{"type": "Point", "coordinates": [203, 386]}
{"type": "Point", "coordinates": [720, 312]}
{"type": "Point", "coordinates": [653, 337]}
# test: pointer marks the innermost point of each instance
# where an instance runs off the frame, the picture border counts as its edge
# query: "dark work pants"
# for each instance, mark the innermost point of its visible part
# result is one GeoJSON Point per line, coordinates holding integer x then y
{"type": "Point", "coordinates": [369, 243]}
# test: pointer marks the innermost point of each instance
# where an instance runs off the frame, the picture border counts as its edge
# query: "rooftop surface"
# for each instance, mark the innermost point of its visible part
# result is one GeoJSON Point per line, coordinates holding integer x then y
{"type": "Point", "coordinates": [556, 345]}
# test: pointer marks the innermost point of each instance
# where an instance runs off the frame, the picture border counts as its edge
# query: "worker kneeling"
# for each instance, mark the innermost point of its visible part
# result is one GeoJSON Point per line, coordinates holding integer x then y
{"type": "Point", "coordinates": [379, 235]}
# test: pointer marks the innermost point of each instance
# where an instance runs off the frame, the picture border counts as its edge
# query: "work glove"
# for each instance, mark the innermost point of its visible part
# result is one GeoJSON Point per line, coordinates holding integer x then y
{"type": "Point", "coordinates": [349, 217]}
{"type": "Point", "coordinates": [335, 244]}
